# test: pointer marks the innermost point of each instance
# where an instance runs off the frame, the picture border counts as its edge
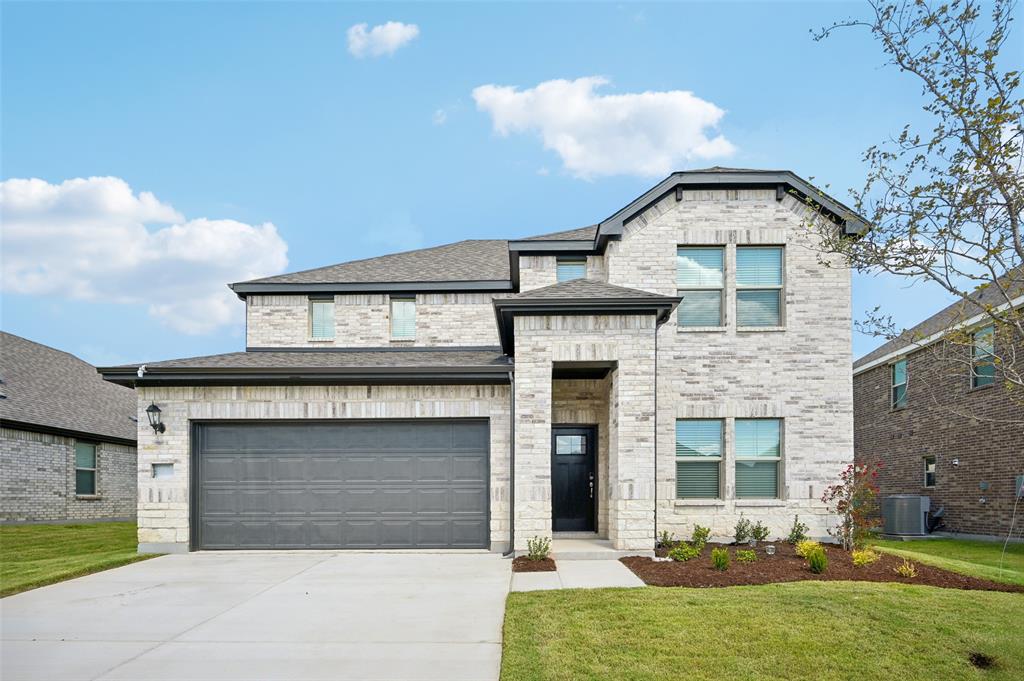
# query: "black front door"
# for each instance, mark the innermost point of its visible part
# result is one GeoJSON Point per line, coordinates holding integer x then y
{"type": "Point", "coordinates": [573, 479]}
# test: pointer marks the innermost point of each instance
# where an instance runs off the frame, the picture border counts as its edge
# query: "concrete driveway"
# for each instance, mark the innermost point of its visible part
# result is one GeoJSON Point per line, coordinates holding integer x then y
{"type": "Point", "coordinates": [289, 616]}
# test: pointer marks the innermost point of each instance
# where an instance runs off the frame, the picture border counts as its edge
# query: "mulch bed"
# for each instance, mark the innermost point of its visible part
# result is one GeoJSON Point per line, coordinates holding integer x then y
{"type": "Point", "coordinates": [524, 564]}
{"type": "Point", "coordinates": [787, 566]}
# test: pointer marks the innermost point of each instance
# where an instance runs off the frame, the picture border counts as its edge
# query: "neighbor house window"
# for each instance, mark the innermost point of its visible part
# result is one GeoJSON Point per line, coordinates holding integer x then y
{"type": "Point", "coordinates": [899, 384]}
{"type": "Point", "coordinates": [759, 286]}
{"type": "Point", "coordinates": [403, 318]}
{"type": "Point", "coordinates": [700, 280]}
{"type": "Point", "coordinates": [699, 448]}
{"type": "Point", "coordinates": [758, 453]}
{"type": "Point", "coordinates": [929, 471]}
{"type": "Point", "coordinates": [321, 319]}
{"type": "Point", "coordinates": [983, 367]}
{"type": "Point", "coordinates": [85, 468]}
{"type": "Point", "coordinates": [571, 268]}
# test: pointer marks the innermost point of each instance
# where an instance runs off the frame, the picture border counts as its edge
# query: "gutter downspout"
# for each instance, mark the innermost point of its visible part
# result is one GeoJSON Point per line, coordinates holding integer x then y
{"type": "Point", "coordinates": [511, 467]}
{"type": "Point", "coordinates": [657, 325]}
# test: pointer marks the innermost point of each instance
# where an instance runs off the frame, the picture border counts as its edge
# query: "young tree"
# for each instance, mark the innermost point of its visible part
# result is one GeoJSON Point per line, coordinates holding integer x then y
{"type": "Point", "coordinates": [945, 204]}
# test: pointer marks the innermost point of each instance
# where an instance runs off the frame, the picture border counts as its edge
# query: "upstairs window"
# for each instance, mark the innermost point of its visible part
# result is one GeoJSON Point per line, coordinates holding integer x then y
{"type": "Point", "coordinates": [700, 280]}
{"type": "Point", "coordinates": [758, 453]}
{"type": "Point", "coordinates": [899, 384]}
{"type": "Point", "coordinates": [321, 319]}
{"type": "Point", "coordinates": [571, 268]}
{"type": "Point", "coordinates": [983, 367]}
{"type": "Point", "coordinates": [85, 469]}
{"type": "Point", "coordinates": [929, 471]}
{"type": "Point", "coordinates": [759, 286]}
{"type": "Point", "coordinates": [403, 318]}
{"type": "Point", "coordinates": [699, 448]}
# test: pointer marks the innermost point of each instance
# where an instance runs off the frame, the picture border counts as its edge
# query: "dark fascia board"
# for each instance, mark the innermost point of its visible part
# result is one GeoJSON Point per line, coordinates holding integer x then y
{"type": "Point", "coordinates": [312, 376]}
{"type": "Point", "coordinates": [506, 309]}
{"type": "Point", "coordinates": [852, 223]}
{"type": "Point", "coordinates": [574, 246]}
{"type": "Point", "coordinates": [243, 289]}
{"type": "Point", "coordinates": [66, 432]}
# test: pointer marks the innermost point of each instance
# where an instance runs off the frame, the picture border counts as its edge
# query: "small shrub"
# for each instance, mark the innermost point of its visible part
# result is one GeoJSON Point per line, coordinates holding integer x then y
{"type": "Point", "coordinates": [720, 559]}
{"type": "Point", "coordinates": [817, 560]}
{"type": "Point", "coordinates": [666, 540]}
{"type": "Point", "coordinates": [759, 532]}
{"type": "Point", "coordinates": [538, 548]}
{"type": "Point", "coordinates": [798, 532]}
{"type": "Point", "coordinates": [746, 556]}
{"type": "Point", "coordinates": [743, 530]}
{"type": "Point", "coordinates": [906, 569]}
{"type": "Point", "coordinates": [862, 557]}
{"type": "Point", "coordinates": [683, 552]}
{"type": "Point", "coordinates": [855, 500]}
{"type": "Point", "coordinates": [805, 547]}
{"type": "Point", "coordinates": [700, 536]}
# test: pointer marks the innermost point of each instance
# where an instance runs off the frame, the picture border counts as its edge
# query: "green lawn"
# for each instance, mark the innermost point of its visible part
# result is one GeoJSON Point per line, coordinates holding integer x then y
{"type": "Point", "coordinates": [975, 558]}
{"type": "Point", "coordinates": [36, 555]}
{"type": "Point", "coordinates": [802, 630]}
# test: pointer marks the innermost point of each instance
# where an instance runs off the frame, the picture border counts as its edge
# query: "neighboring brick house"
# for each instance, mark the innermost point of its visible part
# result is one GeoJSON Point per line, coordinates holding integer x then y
{"type": "Point", "coordinates": [938, 428]}
{"type": "Point", "coordinates": [67, 438]}
{"type": "Point", "coordinates": [481, 393]}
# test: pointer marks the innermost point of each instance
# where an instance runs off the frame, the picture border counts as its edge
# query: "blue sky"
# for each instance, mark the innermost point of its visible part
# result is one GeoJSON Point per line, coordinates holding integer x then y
{"type": "Point", "coordinates": [247, 114]}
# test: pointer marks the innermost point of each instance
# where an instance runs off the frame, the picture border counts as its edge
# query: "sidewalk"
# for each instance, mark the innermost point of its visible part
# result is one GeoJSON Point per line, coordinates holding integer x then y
{"type": "Point", "coordinates": [577, 574]}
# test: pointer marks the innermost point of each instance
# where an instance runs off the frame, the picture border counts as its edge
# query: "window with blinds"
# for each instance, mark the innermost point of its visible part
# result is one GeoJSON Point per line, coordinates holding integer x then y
{"type": "Point", "coordinates": [899, 384]}
{"type": "Point", "coordinates": [321, 319]}
{"type": "Point", "coordinates": [570, 268]}
{"type": "Point", "coordinates": [699, 448]}
{"type": "Point", "coordinates": [700, 280]}
{"type": "Point", "coordinates": [758, 453]}
{"type": "Point", "coordinates": [983, 351]}
{"type": "Point", "coordinates": [403, 318]}
{"type": "Point", "coordinates": [759, 276]}
{"type": "Point", "coordinates": [85, 469]}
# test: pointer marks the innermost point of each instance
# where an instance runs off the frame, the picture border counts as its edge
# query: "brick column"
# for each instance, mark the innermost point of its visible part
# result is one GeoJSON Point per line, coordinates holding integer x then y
{"type": "Point", "coordinates": [533, 443]}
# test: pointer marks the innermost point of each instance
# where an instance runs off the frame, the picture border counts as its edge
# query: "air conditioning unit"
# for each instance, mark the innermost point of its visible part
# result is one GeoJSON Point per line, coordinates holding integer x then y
{"type": "Point", "coordinates": [905, 514]}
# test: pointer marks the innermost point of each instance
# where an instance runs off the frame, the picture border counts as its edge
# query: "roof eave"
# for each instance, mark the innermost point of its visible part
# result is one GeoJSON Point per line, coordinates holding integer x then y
{"type": "Point", "coordinates": [67, 432]}
{"type": "Point", "coordinates": [243, 289]}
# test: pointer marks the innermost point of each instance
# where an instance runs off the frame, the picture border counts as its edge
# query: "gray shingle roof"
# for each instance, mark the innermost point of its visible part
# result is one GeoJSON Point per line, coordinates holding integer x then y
{"type": "Point", "coordinates": [953, 314]}
{"type": "Point", "coordinates": [342, 358]}
{"type": "Point", "coordinates": [586, 289]}
{"type": "Point", "coordinates": [471, 260]}
{"type": "Point", "coordinates": [54, 389]}
{"type": "Point", "coordinates": [567, 235]}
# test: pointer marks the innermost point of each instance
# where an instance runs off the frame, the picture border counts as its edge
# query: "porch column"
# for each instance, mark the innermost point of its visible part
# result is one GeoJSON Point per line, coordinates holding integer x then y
{"type": "Point", "coordinates": [533, 443]}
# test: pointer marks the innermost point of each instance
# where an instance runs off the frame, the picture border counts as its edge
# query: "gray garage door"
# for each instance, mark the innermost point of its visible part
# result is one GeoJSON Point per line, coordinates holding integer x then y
{"type": "Point", "coordinates": [349, 485]}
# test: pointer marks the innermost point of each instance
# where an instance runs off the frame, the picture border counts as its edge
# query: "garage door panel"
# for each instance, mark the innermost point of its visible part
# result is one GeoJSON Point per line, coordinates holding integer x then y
{"type": "Point", "coordinates": [359, 485]}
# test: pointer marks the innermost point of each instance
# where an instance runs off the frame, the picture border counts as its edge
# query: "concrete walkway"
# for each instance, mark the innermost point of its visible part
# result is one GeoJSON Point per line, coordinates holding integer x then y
{"type": "Point", "coordinates": [270, 616]}
{"type": "Point", "coordinates": [577, 574]}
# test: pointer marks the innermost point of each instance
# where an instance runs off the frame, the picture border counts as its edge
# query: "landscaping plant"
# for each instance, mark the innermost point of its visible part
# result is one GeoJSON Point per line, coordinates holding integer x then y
{"type": "Point", "coordinates": [746, 556]}
{"type": "Point", "coordinates": [798, 532]}
{"type": "Point", "coordinates": [855, 501]}
{"type": "Point", "coordinates": [906, 569]}
{"type": "Point", "coordinates": [720, 559]}
{"type": "Point", "coordinates": [862, 557]}
{"type": "Point", "coordinates": [805, 547]}
{"type": "Point", "coordinates": [759, 532]}
{"type": "Point", "coordinates": [666, 540]}
{"type": "Point", "coordinates": [683, 552]}
{"type": "Point", "coordinates": [743, 530]}
{"type": "Point", "coordinates": [817, 560]}
{"type": "Point", "coordinates": [538, 548]}
{"type": "Point", "coordinates": [700, 537]}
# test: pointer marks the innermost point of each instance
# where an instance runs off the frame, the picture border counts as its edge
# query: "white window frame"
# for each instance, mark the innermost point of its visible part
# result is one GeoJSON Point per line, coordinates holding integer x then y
{"type": "Point", "coordinates": [570, 260]}
{"type": "Point", "coordinates": [935, 471]}
{"type": "Point", "coordinates": [781, 287]}
{"type": "Point", "coordinates": [986, 357]}
{"type": "Point", "coordinates": [313, 302]}
{"type": "Point", "coordinates": [720, 289]}
{"type": "Point", "coordinates": [893, 385]}
{"type": "Point", "coordinates": [95, 469]}
{"type": "Point", "coordinates": [720, 459]}
{"type": "Point", "coordinates": [779, 487]}
{"type": "Point", "coordinates": [391, 317]}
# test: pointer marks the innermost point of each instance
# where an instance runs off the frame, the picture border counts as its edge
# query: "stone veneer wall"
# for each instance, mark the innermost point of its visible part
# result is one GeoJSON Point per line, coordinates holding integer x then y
{"type": "Point", "coordinates": [581, 402]}
{"type": "Point", "coordinates": [163, 506]}
{"type": "Point", "coordinates": [536, 271]}
{"type": "Point", "coordinates": [442, 319]}
{"type": "Point", "coordinates": [627, 340]}
{"type": "Point", "coordinates": [37, 480]}
{"type": "Point", "coordinates": [800, 372]}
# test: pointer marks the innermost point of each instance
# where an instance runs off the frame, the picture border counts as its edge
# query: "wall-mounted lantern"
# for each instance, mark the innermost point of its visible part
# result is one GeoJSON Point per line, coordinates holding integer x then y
{"type": "Point", "coordinates": [153, 412]}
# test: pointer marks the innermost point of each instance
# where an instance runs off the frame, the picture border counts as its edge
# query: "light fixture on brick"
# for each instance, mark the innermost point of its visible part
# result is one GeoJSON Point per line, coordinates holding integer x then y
{"type": "Point", "coordinates": [153, 412]}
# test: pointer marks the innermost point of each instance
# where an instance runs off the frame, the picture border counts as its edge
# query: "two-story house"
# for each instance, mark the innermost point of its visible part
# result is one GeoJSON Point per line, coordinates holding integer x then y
{"type": "Point", "coordinates": [684, 361]}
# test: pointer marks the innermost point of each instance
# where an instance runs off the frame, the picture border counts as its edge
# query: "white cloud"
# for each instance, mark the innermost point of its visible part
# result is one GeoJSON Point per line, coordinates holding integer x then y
{"type": "Point", "coordinates": [380, 40]}
{"type": "Point", "coordinates": [440, 117]}
{"type": "Point", "coordinates": [646, 133]}
{"type": "Point", "coordinates": [93, 240]}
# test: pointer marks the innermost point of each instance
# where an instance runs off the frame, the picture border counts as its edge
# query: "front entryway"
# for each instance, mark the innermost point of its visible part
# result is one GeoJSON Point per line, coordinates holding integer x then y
{"type": "Point", "coordinates": [573, 478]}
